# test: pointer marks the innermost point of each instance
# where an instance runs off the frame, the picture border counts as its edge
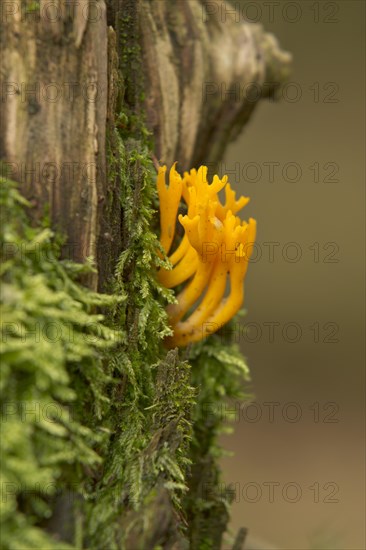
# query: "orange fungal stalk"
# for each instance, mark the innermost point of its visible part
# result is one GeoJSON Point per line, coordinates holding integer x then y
{"type": "Point", "coordinates": [217, 245]}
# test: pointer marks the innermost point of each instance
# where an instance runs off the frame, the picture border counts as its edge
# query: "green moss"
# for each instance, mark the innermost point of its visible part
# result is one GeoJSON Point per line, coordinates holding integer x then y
{"type": "Point", "coordinates": [52, 376]}
{"type": "Point", "coordinates": [31, 5]}
{"type": "Point", "coordinates": [153, 399]}
{"type": "Point", "coordinates": [220, 373]}
{"type": "Point", "coordinates": [100, 412]}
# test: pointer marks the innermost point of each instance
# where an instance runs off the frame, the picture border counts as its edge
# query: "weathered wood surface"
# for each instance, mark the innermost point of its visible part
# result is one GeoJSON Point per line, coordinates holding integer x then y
{"type": "Point", "coordinates": [53, 112]}
{"type": "Point", "coordinates": [204, 71]}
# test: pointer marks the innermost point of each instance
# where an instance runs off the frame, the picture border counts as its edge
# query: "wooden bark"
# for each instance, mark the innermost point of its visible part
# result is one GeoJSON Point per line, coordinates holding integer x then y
{"type": "Point", "coordinates": [59, 96]}
{"type": "Point", "coordinates": [206, 70]}
{"type": "Point", "coordinates": [53, 112]}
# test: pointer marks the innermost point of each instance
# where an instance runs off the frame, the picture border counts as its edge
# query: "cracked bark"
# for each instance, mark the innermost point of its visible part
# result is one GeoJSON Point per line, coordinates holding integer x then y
{"type": "Point", "coordinates": [204, 74]}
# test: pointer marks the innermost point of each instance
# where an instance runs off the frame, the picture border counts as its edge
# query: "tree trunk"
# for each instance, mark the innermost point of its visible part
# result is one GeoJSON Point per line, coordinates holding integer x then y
{"type": "Point", "coordinates": [75, 75]}
{"type": "Point", "coordinates": [203, 73]}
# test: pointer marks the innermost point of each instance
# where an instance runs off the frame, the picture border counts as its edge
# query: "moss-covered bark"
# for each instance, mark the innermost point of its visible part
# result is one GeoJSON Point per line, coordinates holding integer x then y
{"type": "Point", "coordinates": [135, 466]}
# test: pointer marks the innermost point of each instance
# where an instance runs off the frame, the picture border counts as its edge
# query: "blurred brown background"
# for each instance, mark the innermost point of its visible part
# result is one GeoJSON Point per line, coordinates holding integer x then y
{"type": "Point", "coordinates": [300, 472]}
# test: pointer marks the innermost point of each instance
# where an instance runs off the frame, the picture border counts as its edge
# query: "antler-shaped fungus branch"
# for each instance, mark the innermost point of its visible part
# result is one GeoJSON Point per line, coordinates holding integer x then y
{"type": "Point", "coordinates": [216, 244]}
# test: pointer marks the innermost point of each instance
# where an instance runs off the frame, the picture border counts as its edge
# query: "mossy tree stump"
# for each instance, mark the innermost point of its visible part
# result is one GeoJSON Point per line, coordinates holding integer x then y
{"type": "Point", "coordinates": [93, 95]}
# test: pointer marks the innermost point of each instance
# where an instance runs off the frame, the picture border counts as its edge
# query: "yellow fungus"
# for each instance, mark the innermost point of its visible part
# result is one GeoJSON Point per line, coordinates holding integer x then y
{"type": "Point", "coordinates": [216, 247]}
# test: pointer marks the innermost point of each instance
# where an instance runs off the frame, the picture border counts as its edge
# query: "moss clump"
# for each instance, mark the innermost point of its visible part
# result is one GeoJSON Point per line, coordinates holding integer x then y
{"type": "Point", "coordinates": [152, 398]}
{"type": "Point", "coordinates": [101, 424]}
{"type": "Point", "coordinates": [220, 373]}
{"type": "Point", "coordinates": [52, 376]}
